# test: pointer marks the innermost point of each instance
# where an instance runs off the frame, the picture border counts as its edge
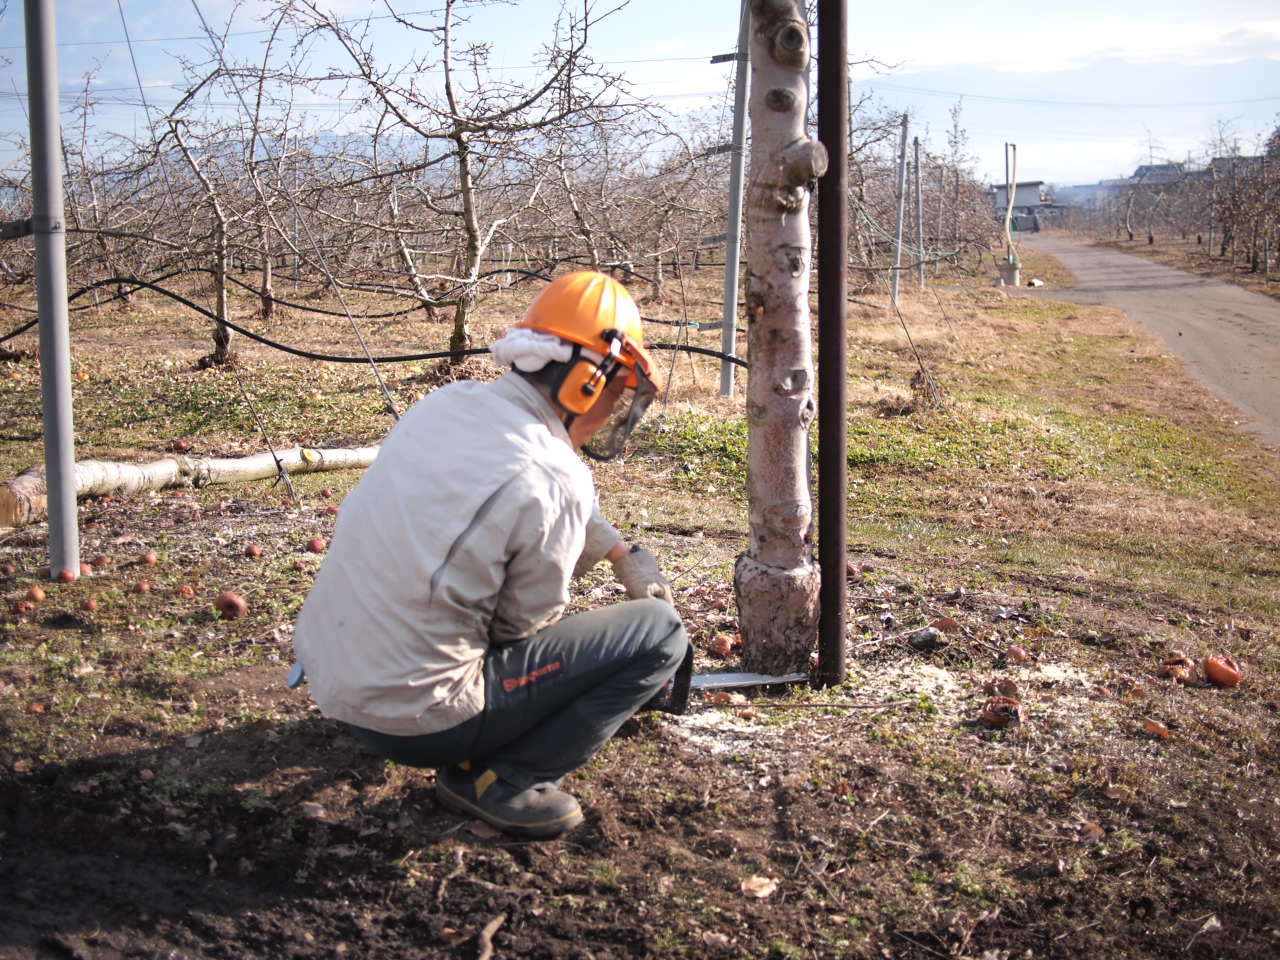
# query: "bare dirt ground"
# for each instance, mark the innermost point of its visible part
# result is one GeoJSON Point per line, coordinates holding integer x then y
{"type": "Point", "coordinates": [1229, 336]}
{"type": "Point", "coordinates": [1079, 512]}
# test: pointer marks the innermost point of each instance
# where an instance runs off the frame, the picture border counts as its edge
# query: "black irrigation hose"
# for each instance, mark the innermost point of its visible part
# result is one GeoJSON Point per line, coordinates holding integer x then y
{"type": "Point", "coordinates": [122, 281]}
{"type": "Point", "coordinates": [22, 329]}
{"type": "Point", "coordinates": [378, 316]}
{"type": "Point", "coordinates": [689, 348]}
{"type": "Point", "coordinates": [90, 288]}
{"type": "Point", "coordinates": [399, 358]}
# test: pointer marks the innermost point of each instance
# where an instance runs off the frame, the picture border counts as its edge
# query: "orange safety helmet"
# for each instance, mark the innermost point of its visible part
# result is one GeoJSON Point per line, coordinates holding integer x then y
{"type": "Point", "coordinates": [594, 311]}
{"type": "Point", "coordinates": [596, 314]}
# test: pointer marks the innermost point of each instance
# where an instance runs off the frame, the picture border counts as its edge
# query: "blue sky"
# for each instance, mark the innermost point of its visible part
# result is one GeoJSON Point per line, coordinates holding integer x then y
{"type": "Point", "coordinates": [1086, 94]}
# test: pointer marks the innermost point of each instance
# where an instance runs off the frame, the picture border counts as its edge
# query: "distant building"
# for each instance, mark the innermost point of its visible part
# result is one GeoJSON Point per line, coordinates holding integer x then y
{"type": "Point", "coordinates": [1084, 195]}
{"type": "Point", "coordinates": [1028, 197]}
{"type": "Point", "coordinates": [1031, 202]}
{"type": "Point", "coordinates": [1222, 168]}
{"type": "Point", "coordinates": [1158, 173]}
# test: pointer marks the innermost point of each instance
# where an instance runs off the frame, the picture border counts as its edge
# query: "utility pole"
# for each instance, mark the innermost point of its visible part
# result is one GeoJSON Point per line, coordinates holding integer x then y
{"type": "Point", "coordinates": [833, 242]}
{"type": "Point", "coordinates": [733, 234]}
{"type": "Point", "coordinates": [1009, 273]}
{"type": "Point", "coordinates": [49, 228]}
{"type": "Point", "coordinates": [937, 226]}
{"type": "Point", "coordinates": [1266, 224]}
{"type": "Point", "coordinates": [902, 209]}
{"type": "Point", "coordinates": [1235, 209]}
{"type": "Point", "coordinates": [955, 207]}
{"type": "Point", "coordinates": [1213, 203]}
{"type": "Point", "coordinates": [920, 257]}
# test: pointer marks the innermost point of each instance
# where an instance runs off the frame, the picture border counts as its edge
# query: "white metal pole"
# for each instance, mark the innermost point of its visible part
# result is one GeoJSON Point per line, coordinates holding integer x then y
{"type": "Point", "coordinates": [49, 229]}
{"type": "Point", "coordinates": [915, 146]}
{"type": "Point", "coordinates": [1011, 189]}
{"type": "Point", "coordinates": [733, 235]}
{"type": "Point", "coordinates": [902, 209]}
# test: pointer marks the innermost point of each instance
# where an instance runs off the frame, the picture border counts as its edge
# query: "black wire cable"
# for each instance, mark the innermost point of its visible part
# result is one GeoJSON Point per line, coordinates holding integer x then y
{"type": "Point", "coordinates": [398, 358]}
{"type": "Point", "coordinates": [690, 348]}
{"type": "Point", "coordinates": [139, 284]}
{"type": "Point", "coordinates": [380, 316]}
{"type": "Point", "coordinates": [22, 329]}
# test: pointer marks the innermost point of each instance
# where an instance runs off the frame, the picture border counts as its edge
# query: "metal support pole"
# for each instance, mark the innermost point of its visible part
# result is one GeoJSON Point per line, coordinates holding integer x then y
{"type": "Point", "coordinates": [51, 287]}
{"type": "Point", "coordinates": [902, 209]}
{"type": "Point", "coordinates": [1213, 205]}
{"type": "Point", "coordinates": [833, 238]}
{"type": "Point", "coordinates": [1266, 225]}
{"type": "Point", "coordinates": [733, 235]}
{"type": "Point", "coordinates": [915, 146]}
{"type": "Point", "coordinates": [1008, 201]}
{"type": "Point", "coordinates": [1235, 206]}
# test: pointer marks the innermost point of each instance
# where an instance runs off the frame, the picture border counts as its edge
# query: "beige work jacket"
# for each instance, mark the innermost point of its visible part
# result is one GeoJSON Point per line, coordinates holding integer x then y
{"type": "Point", "coordinates": [463, 532]}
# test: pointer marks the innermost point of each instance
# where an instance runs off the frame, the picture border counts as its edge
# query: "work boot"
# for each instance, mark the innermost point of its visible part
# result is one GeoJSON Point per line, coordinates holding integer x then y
{"type": "Point", "coordinates": [543, 810]}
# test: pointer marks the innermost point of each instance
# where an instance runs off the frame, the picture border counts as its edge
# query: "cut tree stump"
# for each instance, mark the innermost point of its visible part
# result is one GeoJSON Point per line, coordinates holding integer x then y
{"type": "Point", "coordinates": [23, 500]}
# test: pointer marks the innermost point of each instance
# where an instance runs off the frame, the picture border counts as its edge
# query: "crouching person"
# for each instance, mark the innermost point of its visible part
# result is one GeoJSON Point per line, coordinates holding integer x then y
{"type": "Point", "coordinates": [434, 628]}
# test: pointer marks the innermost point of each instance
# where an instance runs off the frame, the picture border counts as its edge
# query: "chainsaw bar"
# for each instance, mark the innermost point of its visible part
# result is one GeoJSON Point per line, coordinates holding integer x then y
{"type": "Point", "coordinates": [733, 681]}
{"type": "Point", "coordinates": [674, 698]}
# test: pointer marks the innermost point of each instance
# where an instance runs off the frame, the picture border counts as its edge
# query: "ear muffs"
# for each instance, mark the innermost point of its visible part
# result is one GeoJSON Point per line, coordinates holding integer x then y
{"type": "Point", "coordinates": [581, 384]}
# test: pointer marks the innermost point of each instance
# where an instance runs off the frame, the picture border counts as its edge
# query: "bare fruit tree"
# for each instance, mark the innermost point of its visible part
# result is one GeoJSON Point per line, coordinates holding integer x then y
{"type": "Point", "coordinates": [479, 126]}
{"type": "Point", "coordinates": [776, 581]}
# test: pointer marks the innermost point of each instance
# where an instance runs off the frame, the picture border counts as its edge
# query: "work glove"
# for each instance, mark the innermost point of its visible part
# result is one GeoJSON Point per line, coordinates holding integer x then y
{"type": "Point", "coordinates": [637, 570]}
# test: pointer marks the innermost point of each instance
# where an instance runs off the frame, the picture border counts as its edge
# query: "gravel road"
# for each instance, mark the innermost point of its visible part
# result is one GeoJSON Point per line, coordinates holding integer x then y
{"type": "Point", "coordinates": [1229, 336]}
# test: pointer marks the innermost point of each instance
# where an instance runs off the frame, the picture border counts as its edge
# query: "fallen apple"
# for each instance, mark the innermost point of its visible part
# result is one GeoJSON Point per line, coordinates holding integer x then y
{"type": "Point", "coordinates": [100, 561]}
{"type": "Point", "coordinates": [186, 590]}
{"type": "Point", "coordinates": [316, 545]}
{"type": "Point", "coordinates": [1180, 668]}
{"type": "Point", "coordinates": [721, 644]}
{"type": "Point", "coordinates": [35, 594]}
{"type": "Point", "coordinates": [253, 550]}
{"type": "Point", "coordinates": [1000, 712]}
{"type": "Point", "coordinates": [142, 586]}
{"type": "Point", "coordinates": [23, 607]}
{"type": "Point", "coordinates": [326, 493]}
{"type": "Point", "coordinates": [149, 558]}
{"type": "Point", "coordinates": [89, 604]}
{"type": "Point", "coordinates": [1222, 670]}
{"type": "Point", "coordinates": [231, 605]}
{"type": "Point", "coordinates": [1000, 686]}
{"type": "Point", "coordinates": [300, 564]}
{"type": "Point", "coordinates": [7, 569]}
{"type": "Point", "coordinates": [1158, 729]}
{"type": "Point", "coordinates": [67, 575]}
{"type": "Point", "coordinates": [331, 510]}
{"type": "Point", "coordinates": [1017, 653]}
{"type": "Point", "coordinates": [86, 570]}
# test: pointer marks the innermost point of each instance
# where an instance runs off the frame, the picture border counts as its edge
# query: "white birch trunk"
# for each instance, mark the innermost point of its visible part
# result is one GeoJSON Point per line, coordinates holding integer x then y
{"type": "Point", "coordinates": [23, 499]}
{"type": "Point", "coordinates": [776, 581]}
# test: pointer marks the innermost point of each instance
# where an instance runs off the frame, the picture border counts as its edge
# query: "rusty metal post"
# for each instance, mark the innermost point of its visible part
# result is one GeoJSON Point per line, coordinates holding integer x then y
{"type": "Point", "coordinates": [833, 229]}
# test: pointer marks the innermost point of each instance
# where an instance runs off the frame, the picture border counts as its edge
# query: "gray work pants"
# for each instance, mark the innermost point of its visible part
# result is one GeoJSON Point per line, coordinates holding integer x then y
{"type": "Point", "coordinates": [553, 699]}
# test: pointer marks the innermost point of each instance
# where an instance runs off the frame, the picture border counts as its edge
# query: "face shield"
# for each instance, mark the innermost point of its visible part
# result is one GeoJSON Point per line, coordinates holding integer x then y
{"type": "Point", "coordinates": [637, 391]}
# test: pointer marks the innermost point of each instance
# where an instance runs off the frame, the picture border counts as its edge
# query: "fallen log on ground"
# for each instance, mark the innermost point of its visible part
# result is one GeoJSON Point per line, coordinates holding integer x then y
{"type": "Point", "coordinates": [24, 499]}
